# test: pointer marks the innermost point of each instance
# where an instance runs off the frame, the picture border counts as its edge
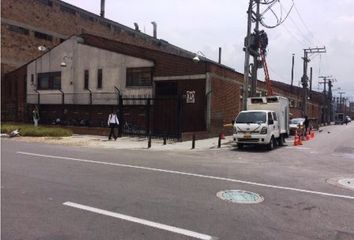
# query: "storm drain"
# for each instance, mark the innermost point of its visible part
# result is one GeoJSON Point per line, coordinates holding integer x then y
{"type": "Point", "coordinates": [240, 196]}
{"type": "Point", "coordinates": [347, 183]}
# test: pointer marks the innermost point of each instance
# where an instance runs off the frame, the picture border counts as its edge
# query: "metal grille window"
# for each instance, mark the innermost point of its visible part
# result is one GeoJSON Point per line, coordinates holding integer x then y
{"type": "Point", "coordinates": [86, 79]}
{"type": "Point", "coordinates": [139, 77]}
{"type": "Point", "coordinates": [46, 2]}
{"type": "Point", "coordinates": [18, 29]}
{"type": "Point", "coordinates": [99, 78]}
{"type": "Point", "coordinates": [67, 9]}
{"type": "Point", "coordinates": [44, 36]}
{"type": "Point", "coordinates": [49, 81]}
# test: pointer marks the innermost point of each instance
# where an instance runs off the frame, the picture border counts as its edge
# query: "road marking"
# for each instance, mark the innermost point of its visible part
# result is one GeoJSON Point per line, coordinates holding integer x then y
{"type": "Point", "coordinates": [191, 174]}
{"type": "Point", "coordinates": [141, 221]}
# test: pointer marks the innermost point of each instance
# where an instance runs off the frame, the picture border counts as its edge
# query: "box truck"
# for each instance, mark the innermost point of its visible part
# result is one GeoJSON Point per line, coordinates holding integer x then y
{"type": "Point", "coordinates": [265, 122]}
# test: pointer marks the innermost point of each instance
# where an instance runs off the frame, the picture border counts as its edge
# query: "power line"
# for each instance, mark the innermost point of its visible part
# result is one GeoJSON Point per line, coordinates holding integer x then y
{"type": "Point", "coordinates": [298, 28]}
{"type": "Point", "coordinates": [304, 23]}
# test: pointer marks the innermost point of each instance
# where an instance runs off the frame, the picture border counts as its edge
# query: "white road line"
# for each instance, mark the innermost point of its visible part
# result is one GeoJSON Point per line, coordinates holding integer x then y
{"type": "Point", "coordinates": [191, 174]}
{"type": "Point", "coordinates": [141, 221]}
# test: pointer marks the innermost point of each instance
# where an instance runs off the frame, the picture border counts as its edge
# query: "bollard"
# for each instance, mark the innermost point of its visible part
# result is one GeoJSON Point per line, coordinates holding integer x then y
{"type": "Point", "coordinates": [164, 140]}
{"type": "Point", "coordinates": [149, 142]}
{"type": "Point", "coordinates": [193, 141]}
{"type": "Point", "coordinates": [219, 141]}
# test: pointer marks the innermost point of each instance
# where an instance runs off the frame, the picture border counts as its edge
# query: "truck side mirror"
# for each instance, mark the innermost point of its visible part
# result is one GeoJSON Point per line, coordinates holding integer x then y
{"type": "Point", "coordinates": [270, 121]}
{"type": "Point", "coordinates": [233, 122]}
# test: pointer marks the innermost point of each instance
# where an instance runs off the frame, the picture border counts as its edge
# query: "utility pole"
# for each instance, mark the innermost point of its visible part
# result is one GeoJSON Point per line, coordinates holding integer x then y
{"type": "Point", "coordinates": [292, 71]}
{"type": "Point", "coordinates": [247, 49]}
{"type": "Point", "coordinates": [256, 64]}
{"type": "Point", "coordinates": [304, 78]}
{"type": "Point", "coordinates": [328, 97]}
{"type": "Point", "coordinates": [340, 101]}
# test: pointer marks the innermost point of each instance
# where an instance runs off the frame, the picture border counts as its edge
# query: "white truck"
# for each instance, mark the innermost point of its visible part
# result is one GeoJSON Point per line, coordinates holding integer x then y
{"type": "Point", "coordinates": [266, 122]}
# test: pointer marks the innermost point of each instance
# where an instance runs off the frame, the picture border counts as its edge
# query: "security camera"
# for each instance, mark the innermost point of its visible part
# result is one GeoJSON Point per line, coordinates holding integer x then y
{"type": "Point", "coordinates": [62, 64]}
{"type": "Point", "coordinates": [196, 59]}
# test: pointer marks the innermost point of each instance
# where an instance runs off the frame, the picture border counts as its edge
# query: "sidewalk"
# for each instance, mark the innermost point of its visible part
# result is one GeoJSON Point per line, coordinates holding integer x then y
{"type": "Point", "coordinates": [134, 143]}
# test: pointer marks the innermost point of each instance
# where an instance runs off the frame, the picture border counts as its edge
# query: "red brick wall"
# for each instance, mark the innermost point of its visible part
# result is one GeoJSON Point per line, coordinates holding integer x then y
{"type": "Point", "coordinates": [18, 48]}
{"type": "Point", "coordinates": [225, 103]}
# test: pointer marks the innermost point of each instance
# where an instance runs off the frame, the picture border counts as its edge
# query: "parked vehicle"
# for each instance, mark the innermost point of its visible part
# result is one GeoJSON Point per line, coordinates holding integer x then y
{"type": "Point", "coordinates": [295, 124]}
{"type": "Point", "coordinates": [339, 118]}
{"type": "Point", "coordinates": [348, 119]}
{"type": "Point", "coordinates": [266, 122]}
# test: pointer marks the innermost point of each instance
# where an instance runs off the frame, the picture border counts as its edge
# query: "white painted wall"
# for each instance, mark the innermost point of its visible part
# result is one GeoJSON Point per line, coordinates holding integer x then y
{"type": "Point", "coordinates": [80, 57]}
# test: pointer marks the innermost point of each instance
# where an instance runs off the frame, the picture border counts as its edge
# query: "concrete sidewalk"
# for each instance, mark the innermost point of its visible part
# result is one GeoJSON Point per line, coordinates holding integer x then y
{"type": "Point", "coordinates": [134, 143]}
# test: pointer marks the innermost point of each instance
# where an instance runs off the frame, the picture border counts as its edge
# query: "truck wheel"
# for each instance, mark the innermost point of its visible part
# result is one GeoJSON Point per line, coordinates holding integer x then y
{"type": "Point", "coordinates": [239, 145]}
{"type": "Point", "coordinates": [271, 144]}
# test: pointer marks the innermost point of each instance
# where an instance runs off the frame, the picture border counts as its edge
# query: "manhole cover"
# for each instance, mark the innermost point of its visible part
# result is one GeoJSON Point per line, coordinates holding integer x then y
{"type": "Point", "coordinates": [347, 182]}
{"type": "Point", "coordinates": [240, 196]}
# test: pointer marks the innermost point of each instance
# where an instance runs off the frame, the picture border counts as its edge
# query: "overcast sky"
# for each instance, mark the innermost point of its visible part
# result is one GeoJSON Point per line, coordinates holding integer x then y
{"type": "Point", "coordinates": [206, 25]}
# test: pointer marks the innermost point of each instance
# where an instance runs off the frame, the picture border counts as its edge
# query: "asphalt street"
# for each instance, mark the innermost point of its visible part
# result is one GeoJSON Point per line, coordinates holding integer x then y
{"type": "Point", "coordinates": [52, 192]}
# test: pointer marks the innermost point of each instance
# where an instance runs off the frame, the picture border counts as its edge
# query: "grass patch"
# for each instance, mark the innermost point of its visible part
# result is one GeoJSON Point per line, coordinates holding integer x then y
{"type": "Point", "coordinates": [30, 130]}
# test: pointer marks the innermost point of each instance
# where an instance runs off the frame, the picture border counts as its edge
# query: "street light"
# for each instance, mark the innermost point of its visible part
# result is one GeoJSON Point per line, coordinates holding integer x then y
{"type": "Point", "coordinates": [197, 56]}
{"type": "Point", "coordinates": [63, 63]}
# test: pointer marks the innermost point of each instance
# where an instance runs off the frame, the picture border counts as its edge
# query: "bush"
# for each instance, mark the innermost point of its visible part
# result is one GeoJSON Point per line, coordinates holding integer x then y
{"type": "Point", "coordinates": [30, 130]}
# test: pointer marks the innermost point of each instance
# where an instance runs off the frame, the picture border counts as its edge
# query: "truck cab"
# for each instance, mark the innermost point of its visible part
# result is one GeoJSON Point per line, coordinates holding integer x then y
{"type": "Point", "coordinates": [256, 127]}
{"type": "Point", "coordinates": [264, 123]}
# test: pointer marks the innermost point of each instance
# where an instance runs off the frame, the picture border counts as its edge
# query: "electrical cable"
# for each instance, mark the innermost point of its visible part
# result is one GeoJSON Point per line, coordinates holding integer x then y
{"type": "Point", "coordinates": [281, 20]}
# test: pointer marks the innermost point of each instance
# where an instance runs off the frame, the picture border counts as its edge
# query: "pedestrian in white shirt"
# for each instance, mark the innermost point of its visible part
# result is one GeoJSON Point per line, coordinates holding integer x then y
{"type": "Point", "coordinates": [113, 122]}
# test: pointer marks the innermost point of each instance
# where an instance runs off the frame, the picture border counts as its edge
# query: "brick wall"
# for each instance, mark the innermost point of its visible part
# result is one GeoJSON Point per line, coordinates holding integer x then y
{"type": "Point", "coordinates": [225, 103]}
{"type": "Point", "coordinates": [61, 20]}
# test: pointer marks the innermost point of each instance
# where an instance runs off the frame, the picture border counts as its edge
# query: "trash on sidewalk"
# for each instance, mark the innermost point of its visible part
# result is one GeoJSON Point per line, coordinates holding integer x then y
{"type": "Point", "coordinates": [15, 133]}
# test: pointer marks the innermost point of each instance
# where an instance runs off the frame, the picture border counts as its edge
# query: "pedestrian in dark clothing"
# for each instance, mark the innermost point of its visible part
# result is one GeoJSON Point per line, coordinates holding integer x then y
{"type": "Point", "coordinates": [113, 122]}
{"type": "Point", "coordinates": [306, 124]}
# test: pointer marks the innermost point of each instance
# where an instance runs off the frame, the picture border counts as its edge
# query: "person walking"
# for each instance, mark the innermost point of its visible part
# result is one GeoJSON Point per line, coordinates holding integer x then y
{"type": "Point", "coordinates": [113, 122]}
{"type": "Point", "coordinates": [306, 125]}
{"type": "Point", "coordinates": [35, 116]}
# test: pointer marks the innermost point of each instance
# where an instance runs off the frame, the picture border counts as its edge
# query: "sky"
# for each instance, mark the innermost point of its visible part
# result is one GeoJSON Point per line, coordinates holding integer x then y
{"type": "Point", "coordinates": [206, 25]}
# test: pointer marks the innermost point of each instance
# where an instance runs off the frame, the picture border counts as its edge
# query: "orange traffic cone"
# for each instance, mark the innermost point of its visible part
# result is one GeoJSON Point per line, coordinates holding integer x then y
{"type": "Point", "coordinates": [312, 134]}
{"type": "Point", "coordinates": [308, 137]}
{"type": "Point", "coordinates": [297, 140]}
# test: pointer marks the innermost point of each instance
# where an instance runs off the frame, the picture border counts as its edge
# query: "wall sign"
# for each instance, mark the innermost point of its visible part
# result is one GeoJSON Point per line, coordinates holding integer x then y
{"type": "Point", "coordinates": [190, 96]}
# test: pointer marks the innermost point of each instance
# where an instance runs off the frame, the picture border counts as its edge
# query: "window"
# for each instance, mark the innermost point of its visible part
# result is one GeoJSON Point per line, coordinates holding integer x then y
{"type": "Point", "coordinates": [86, 79]}
{"type": "Point", "coordinates": [18, 29]}
{"type": "Point", "coordinates": [275, 117]}
{"type": "Point", "coordinates": [139, 77]}
{"type": "Point", "coordinates": [46, 2]}
{"type": "Point", "coordinates": [49, 81]}
{"type": "Point", "coordinates": [99, 78]}
{"type": "Point", "coordinates": [270, 117]}
{"type": "Point", "coordinates": [44, 36]}
{"type": "Point", "coordinates": [67, 9]}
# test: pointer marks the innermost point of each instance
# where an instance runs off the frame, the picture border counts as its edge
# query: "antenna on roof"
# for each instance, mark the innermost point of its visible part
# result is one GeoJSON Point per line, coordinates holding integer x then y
{"type": "Point", "coordinates": [102, 8]}
{"type": "Point", "coordinates": [155, 29]}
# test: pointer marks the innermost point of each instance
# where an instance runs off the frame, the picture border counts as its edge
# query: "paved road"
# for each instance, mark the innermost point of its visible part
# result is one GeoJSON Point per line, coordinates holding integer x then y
{"type": "Point", "coordinates": [54, 192]}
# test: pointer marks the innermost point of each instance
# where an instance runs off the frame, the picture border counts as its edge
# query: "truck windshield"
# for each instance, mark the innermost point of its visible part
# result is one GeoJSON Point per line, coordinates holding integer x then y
{"type": "Point", "coordinates": [251, 117]}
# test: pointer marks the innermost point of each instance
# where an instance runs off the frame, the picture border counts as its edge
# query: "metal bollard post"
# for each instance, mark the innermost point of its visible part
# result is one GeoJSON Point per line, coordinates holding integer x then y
{"type": "Point", "coordinates": [219, 141]}
{"type": "Point", "coordinates": [149, 141]}
{"type": "Point", "coordinates": [164, 140]}
{"type": "Point", "coordinates": [193, 141]}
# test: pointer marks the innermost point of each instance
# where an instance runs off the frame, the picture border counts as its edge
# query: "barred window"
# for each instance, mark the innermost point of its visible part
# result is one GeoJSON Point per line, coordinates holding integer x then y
{"type": "Point", "coordinates": [44, 36]}
{"type": "Point", "coordinates": [99, 78]}
{"type": "Point", "coordinates": [139, 77]}
{"type": "Point", "coordinates": [86, 79]}
{"type": "Point", "coordinates": [46, 2]}
{"type": "Point", "coordinates": [67, 9]}
{"type": "Point", "coordinates": [18, 29]}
